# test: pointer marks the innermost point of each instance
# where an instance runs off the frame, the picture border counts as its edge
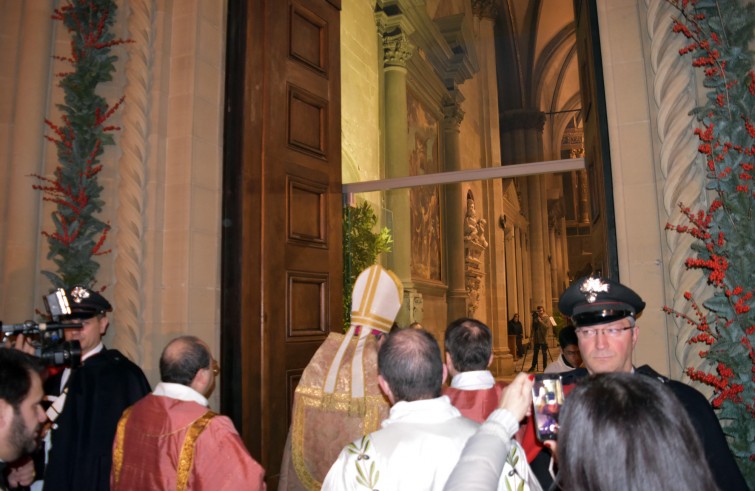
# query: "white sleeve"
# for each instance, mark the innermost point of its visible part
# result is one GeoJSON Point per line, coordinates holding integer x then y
{"type": "Point", "coordinates": [483, 458]}
{"type": "Point", "coordinates": [354, 469]}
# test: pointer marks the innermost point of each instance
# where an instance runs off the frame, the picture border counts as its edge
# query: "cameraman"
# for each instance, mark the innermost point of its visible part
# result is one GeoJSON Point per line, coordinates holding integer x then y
{"type": "Point", "coordinates": [540, 323]}
{"type": "Point", "coordinates": [21, 414]}
{"type": "Point", "coordinates": [88, 400]}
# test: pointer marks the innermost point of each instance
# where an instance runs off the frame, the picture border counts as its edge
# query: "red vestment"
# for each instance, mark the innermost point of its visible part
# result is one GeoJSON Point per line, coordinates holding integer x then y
{"type": "Point", "coordinates": [475, 404]}
{"type": "Point", "coordinates": [146, 453]}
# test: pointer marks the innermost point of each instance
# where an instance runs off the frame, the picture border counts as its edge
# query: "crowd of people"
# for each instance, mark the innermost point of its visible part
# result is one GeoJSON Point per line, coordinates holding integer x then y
{"type": "Point", "coordinates": [99, 426]}
{"type": "Point", "coordinates": [384, 415]}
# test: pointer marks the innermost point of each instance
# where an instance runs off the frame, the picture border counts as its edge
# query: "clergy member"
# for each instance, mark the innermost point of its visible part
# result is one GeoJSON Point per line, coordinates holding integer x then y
{"type": "Point", "coordinates": [171, 440]}
{"type": "Point", "coordinates": [338, 398]}
{"type": "Point", "coordinates": [474, 390]}
{"type": "Point", "coordinates": [422, 439]}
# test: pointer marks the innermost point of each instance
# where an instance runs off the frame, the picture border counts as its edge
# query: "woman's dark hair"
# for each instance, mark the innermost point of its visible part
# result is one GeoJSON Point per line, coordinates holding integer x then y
{"type": "Point", "coordinates": [628, 432]}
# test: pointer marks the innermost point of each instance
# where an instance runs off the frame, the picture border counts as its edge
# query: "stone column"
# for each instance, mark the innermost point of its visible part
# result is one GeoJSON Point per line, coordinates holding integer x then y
{"type": "Point", "coordinates": [523, 130]}
{"type": "Point", "coordinates": [520, 305]}
{"type": "Point", "coordinates": [455, 209]}
{"type": "Point", "coordinates": [21, 231]}
{"type": "Point", "coordinates": [538, 241]}
{"type": "Point", "coordinates": [584, 193]}
{"type": "Point", "coordinates": [501, 274]}
{"type": "Point", "coordinates": [512, 282]}
{"type": "Point", "coordinates": [553, 262]}
{"type": "Point", "coordinates": [563, 279]}
{"type": "Point", "coordinates": [527, 270]}
{"type": "Point", "coordinates": [396, 51]}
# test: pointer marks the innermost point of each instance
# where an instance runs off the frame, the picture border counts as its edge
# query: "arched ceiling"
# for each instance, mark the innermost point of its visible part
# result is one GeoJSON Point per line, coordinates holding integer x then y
{"type": "Point", "coordinates": [537, 62]}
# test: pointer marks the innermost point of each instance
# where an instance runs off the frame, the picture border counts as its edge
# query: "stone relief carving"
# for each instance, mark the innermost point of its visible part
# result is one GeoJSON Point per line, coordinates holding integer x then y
{"type": "Point", "coordinates": [424, 200]}
{"type": "Point", "coordinates": [475, 244]}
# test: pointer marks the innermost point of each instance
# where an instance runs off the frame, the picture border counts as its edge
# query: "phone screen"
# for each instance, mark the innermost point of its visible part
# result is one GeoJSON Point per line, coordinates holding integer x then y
{"type": "Point", "coordinates": [547, 399]}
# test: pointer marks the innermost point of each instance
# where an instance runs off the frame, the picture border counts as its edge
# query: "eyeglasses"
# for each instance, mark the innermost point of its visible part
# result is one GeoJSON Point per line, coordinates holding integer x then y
{"type": "Point", "coordinates": [591, 332]}
{"type": "Point", "coordinates": [215, 368]}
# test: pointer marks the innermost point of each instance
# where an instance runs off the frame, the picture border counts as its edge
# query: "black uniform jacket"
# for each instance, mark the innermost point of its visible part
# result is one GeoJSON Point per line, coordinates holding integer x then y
{"type": "Point", "coordinates": [82, 436]}
{"type": "Point", "coordinates": [720, 459]}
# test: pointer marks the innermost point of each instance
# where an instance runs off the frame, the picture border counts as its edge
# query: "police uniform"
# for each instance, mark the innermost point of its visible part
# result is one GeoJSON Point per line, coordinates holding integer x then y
{"type": "Point", "coordinates": [594, 300]}
{"type": "Point", "coordinates": [97, 392]}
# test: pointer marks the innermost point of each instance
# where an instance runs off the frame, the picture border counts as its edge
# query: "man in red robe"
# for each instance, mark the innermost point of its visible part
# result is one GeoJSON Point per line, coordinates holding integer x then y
{"type": "Point", "coordinates": [475, 392]}
{"type": "Point", "coordinates": [171, 440]}
{"type": "Point", "coordinates": [469, 352]}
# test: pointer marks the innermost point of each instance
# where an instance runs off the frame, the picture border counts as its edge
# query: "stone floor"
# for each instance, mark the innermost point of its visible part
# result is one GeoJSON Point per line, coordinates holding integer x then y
{"type": "Point", "coordinates": [518, 366]}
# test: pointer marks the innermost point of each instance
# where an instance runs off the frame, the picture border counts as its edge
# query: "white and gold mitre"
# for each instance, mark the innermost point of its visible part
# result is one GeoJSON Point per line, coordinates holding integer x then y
{"type": "Point", "coordinates": [376, 299]}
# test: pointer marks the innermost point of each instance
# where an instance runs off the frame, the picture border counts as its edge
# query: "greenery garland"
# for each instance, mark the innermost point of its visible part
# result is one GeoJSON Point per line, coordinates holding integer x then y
{"type": "Point", "coordinates": [80, 140]}
{"type": "Point", "coordinates": [720, 33]}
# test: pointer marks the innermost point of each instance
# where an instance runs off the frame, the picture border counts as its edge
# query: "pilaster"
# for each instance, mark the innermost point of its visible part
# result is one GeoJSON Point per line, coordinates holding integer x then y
{"type": "Point", "coordinates": [457, 294]}
{"type": "Point", "coordinates": [21, 208]}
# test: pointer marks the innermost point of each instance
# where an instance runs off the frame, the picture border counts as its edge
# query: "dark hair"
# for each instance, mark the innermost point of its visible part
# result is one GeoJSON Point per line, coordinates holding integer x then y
{"type": "Point", "coordinates": [409, 360]}
{"type": "Point", "coordinates": [16, 368]}
{"type": "Point", "coordinates": [628, 432]}
{"type": "Point", "coordinates": [469, 343]}
{"type": "Point", "coordinates": [567, 337]}
{"type": "Point", "coordinates": [182, 358]}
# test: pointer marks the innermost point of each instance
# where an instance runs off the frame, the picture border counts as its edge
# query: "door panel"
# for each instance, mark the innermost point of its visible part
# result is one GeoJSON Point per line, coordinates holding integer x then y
{"type": "Point", "coordinates": [282, 292]}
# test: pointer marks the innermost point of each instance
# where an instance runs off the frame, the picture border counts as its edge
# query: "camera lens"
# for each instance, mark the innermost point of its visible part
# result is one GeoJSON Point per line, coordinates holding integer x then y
{"type": "Point", "coordinates": [64, 353]}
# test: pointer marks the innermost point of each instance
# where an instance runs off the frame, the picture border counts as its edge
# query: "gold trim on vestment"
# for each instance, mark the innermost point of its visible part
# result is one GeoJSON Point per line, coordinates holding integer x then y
{"type": "Point", "coordinates": [186, 459]}
{"type": "Point", "coordinates": [373, 277]}
{"type": "Point", "coordinates": [118, 450]}
{"type": "Point", "coordinates": [310, 397]}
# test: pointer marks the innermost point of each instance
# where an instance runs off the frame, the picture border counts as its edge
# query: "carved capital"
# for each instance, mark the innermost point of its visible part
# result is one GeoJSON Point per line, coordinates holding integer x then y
{"type": "Point", "coordinates": [452, 113]}
{"type": "Point", "coordinates": [397, 49]}
{"type": "Point", "coordinates": [485, 9]}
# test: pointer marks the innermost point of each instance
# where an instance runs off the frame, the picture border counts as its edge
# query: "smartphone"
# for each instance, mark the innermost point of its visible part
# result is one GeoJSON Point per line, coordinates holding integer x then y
{"type": "Point", "coordinates": [547, 399]}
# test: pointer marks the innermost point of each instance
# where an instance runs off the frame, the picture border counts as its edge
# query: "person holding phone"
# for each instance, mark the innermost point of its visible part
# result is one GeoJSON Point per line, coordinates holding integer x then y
{"type": "Point", "coordinates": [474, 390]}
{"type": "Point", "coordinates": [484, 455]}
{"type": "Point", "coordinates": [604, 313]}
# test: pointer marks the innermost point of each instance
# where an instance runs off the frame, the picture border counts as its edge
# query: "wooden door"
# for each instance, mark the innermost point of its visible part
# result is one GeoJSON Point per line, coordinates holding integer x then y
{"type": "Point", "coordinates": [282, 251]}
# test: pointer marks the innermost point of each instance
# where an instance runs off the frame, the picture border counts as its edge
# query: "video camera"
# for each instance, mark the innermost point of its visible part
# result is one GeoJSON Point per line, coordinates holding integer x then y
{"type": "Point", "coordinates": [48, 338]}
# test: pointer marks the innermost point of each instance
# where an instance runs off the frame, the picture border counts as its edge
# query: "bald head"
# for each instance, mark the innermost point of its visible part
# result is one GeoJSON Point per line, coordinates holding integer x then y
{"type": "Point", "coordinates": [410, 363]}
{"type": "Point", "coordinates": [182, 358]}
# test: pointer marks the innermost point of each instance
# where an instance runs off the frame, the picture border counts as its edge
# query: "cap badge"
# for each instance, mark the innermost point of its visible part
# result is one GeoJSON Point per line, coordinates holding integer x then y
{"type": "Point", "coordinates": [591, 287]}
{"type": "Point", "coordinates": [79, 293]}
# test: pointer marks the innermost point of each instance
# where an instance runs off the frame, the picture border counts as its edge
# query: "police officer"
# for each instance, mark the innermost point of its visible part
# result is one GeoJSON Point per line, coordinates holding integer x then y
{"type": "Point", "coordinates": [89, 399]}
{"type": "Point", "coordinates": [604, 313]}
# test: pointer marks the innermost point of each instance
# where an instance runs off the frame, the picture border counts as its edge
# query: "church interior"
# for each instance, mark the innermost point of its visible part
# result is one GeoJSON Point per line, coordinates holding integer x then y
{"type": "Point", "coordinates": [508, 147]}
